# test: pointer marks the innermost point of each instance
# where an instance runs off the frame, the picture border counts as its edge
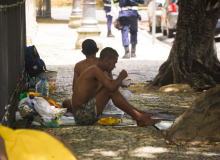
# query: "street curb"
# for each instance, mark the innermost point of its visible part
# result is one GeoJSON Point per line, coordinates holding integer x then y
{"type": "Point", "coordinates": [50, 20]}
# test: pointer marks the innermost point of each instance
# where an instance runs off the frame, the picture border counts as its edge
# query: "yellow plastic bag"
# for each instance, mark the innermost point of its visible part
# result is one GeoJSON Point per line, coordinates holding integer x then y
{"type": "Point", "coordinates": [108, 121]}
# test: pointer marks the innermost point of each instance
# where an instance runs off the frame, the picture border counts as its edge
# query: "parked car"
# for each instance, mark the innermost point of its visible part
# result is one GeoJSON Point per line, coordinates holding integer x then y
{"type": "Point", "coordinates": [217, 28]}
{"type": "Point", "coordinates": [159, 4]}
{"type": "Point", "coordinates": [169, 18]}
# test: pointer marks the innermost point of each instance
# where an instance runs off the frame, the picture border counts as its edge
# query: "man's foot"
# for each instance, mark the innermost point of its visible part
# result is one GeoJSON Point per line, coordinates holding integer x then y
{"type": "Point", "coordinates": [146, 121]}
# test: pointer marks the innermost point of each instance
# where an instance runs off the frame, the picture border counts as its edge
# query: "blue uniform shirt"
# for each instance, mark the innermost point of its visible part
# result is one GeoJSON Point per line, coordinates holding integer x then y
{"type": "Point", "coordinates": [129, 13]}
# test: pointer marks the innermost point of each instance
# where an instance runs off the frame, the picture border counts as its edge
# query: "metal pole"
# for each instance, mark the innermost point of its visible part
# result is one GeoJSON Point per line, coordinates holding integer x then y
{"type": "Point", "coordinates": [154, 22]}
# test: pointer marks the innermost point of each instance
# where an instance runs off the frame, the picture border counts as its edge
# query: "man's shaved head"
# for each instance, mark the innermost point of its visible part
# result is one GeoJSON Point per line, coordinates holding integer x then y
{"type": "Point", "coordinates": [108, 52]}
{"type": "Point", "coordinates": [89, 47]}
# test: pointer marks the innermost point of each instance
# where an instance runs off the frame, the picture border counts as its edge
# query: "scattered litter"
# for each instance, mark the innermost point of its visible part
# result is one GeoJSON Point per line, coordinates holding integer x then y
{"type": "Point", "coordinates": [17, 116]}
{"type": "Point", "coordinates": [52, 123]}
{"type": "Point", "coordinates": [163, 125]}
{"type": "Point", "coordinates": [108, 121]}
{"type": "Point", "coordinates": [44, 109]}
{"type": "Point", "coordinates": [39, 111]}
{"type": "Point", "coordinates": [34, 123]}
{"type": "Point", "coordinates": [67, 121]}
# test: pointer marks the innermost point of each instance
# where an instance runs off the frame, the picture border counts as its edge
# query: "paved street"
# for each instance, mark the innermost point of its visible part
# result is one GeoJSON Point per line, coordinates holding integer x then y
{"type": "Point", "coordinates": [63, 13]}
{"type": "Point", "coordinates": [56, 44]}
{"type": "Point", "coordinates": [169, 41]}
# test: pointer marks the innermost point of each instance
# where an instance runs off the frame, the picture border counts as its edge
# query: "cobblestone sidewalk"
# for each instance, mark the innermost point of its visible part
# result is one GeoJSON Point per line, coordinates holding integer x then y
{"type": "Point", "coordinates": [55, 43]}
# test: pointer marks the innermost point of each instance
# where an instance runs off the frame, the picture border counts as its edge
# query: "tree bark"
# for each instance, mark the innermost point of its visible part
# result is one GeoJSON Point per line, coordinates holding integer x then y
{"type": "Point", "coordinates": [193, 57]}
{"type": "Point", "coordinates": [201, 119]}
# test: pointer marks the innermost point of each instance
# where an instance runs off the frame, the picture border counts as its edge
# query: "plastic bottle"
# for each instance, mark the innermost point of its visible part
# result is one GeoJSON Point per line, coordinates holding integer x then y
{"type": "Point", "coordinates": [42, 87]}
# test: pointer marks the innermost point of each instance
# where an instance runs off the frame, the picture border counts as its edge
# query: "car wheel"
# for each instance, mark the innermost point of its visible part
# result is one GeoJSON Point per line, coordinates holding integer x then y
{"type": "Point", "coordinates": [170, 33]}
{"type": "Point", "coordinates": [163, 31]}
{"type": "Point", "coordinates": [158, 29]}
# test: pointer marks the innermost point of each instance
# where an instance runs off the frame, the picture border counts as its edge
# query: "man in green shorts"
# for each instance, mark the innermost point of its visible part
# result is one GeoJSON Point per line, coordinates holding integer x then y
{"type": "Point", "coordinates": [88, 103]}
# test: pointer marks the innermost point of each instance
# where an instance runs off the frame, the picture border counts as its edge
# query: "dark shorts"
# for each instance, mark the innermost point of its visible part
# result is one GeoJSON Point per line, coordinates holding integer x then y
{"type": "Point", "coordinates": [87, 113]}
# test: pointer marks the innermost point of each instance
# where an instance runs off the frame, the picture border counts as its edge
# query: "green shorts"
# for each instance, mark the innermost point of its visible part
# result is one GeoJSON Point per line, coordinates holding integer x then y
{"type": "Point", "coordinates": [87, 113]}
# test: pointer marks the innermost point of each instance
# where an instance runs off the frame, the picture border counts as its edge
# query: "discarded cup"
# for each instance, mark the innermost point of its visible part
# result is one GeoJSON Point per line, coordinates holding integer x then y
{"type": "Point", "coordinates": [126, 82]}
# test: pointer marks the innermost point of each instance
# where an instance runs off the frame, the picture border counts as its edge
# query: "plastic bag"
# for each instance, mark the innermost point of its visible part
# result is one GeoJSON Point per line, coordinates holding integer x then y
{"type": "Point", "coordinates": [108, 121]}
{"type": "Point", "coordinates": [126, 94]}
{"type": "Point", "coordinates": [114, 10]}
{"type": "Point", "coordinates": [44, 109]}
{"type": "Point", "coordinates": [118, 24]}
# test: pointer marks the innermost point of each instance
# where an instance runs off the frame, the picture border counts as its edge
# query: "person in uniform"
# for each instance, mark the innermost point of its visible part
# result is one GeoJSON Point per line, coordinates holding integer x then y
{"type": "Point", "coordinates": [107, 7]}
{"type": "Point", "coordinates": [129, 16]}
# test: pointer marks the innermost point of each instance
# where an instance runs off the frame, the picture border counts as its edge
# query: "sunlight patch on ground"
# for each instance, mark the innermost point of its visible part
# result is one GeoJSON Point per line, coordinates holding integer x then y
{"type": "Point", "coordinates": [105, 152]}
{"type": "Point", "coordinates": [147, 151]}
{"type": "Point", "coordinates": [171, 90]}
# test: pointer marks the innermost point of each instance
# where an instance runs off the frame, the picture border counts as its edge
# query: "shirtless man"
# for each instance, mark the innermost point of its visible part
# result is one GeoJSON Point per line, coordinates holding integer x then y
{"type": "Point", "coordinates": [88, 103]}
{"type": "Point", "coordinates": [89, 49]}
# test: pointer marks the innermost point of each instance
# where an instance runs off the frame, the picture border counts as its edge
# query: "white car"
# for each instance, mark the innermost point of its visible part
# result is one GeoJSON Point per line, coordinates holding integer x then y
{"type": "Point", "coordinates": [159, 4]}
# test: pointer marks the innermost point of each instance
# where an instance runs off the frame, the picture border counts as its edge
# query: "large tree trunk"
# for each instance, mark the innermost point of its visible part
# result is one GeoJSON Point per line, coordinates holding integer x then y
{"type": "Point", "coordinates": [193, 57]}
{"type": "Point", "coordinates": [201, 119]}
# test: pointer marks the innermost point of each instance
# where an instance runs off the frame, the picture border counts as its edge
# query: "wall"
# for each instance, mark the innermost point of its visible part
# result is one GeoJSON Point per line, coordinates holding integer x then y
{"type": "Point", "coordinates": [12, 48]}
{"type": "Point", "coordinates": [31, 23]}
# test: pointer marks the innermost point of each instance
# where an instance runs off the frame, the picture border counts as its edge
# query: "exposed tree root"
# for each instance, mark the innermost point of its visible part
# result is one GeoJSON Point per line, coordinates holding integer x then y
{"type": "Point", "coordinates": [193, 61]}
{"type": "Point", "coordinates": [201, 119]}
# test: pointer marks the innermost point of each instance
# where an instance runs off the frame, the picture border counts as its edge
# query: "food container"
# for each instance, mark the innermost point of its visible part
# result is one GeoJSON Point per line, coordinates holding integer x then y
{"type": "Point", "coordinates": [51, 79]}
{"type": "Point", "coordinates": [126, 82]}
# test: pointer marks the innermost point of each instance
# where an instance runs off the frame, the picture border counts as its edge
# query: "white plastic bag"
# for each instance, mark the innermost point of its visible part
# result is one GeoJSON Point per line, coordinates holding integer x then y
{"type": "Point", "coordinates": [114, 10]}
{"type": "Point", "coordinates": [44, 109]}
{"type": "Point", "coordinates": [126, 94]}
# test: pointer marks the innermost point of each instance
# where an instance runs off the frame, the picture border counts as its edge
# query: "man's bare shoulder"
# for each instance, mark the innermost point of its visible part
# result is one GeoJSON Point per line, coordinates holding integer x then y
{"type": "Point", "coordinates": [81, 62]}
{"type": "Point", "coordinates": [93, 67]}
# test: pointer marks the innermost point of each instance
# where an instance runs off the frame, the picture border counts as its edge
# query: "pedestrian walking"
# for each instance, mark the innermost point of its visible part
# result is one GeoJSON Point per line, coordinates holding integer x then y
{"type": "Point", "coordinates": [108, 4]}
{"type": "Point", "coordinates": [129, 16]}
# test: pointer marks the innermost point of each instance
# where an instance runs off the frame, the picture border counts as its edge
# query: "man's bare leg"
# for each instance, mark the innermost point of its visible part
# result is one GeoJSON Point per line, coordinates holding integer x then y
{"type": "Point", "coordinates": [67, 104]}
{"type": "Point", "coordinates": [102, 97]}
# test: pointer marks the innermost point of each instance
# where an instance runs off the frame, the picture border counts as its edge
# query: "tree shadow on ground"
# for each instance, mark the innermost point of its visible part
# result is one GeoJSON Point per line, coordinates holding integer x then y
{"type": "Point", "coordinates": [137, 143]}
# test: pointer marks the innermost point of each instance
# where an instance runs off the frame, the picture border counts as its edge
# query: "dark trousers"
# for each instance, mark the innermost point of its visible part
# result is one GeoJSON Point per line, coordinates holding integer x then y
{"type": "Point", "coordinates": [109, 18]}
{"type": "Point", "coordinates": [129, 25]}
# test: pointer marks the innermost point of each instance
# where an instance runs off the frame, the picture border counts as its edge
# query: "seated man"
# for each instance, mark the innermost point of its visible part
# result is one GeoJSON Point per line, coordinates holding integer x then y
{"type": "Point", "coordinates": [89, 49]}
{"type": "Point", "coordinates": [88, 103]}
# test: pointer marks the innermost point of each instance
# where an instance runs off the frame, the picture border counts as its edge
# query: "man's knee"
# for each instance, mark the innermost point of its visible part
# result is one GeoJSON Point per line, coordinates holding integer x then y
{"type": "Point", "coordinates": [65, 103]}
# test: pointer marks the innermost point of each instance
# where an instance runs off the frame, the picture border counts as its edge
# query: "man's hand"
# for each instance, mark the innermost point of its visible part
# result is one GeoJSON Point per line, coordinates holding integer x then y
{"type": "Point", "coordinates": [123, 74]}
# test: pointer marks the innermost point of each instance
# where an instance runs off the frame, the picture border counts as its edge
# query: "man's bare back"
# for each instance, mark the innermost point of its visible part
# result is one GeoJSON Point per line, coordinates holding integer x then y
{"type": "Point", "coordinates": [82, 66]}
{"type": "Point", "coordinates": [86, 86]}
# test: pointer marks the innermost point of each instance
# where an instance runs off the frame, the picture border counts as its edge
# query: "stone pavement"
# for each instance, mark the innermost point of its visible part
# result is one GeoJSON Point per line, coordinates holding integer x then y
{"type": "Point", "coordinates": [55, 43]}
